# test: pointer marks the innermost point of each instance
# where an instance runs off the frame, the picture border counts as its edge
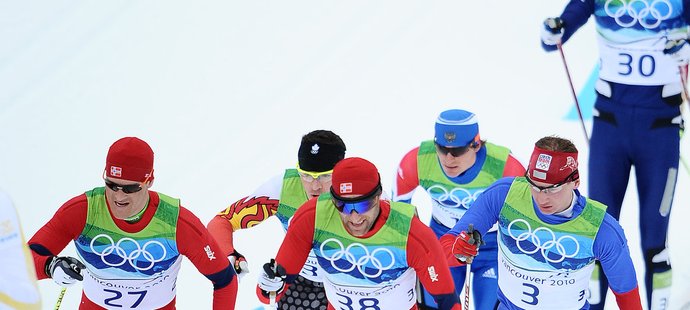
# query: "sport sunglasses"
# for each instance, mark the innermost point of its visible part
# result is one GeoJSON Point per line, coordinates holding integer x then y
{"type": "Point", "coordinates": [127, 189]}
{"type": "Point", "coordinates": [551, 189]}
{"type": "Point", "coordinates": [309, 176]}
{"type": "Point", "coordinates": [359, 204]}
{"type": "Point", "coordinates": [454, 151]}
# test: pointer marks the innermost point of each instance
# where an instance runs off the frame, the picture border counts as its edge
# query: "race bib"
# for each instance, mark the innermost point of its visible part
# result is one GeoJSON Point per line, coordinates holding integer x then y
{"type": "Point", "coordinates": [311, 269]}
{"type": "Point", "coordinates": [637, 64]}
{"type": "Point", "coordinates": [543, 289]}
{"type": "Point", "coordinates": [397, 294]}
{"type": "Point", "coordinates": [151, 293]}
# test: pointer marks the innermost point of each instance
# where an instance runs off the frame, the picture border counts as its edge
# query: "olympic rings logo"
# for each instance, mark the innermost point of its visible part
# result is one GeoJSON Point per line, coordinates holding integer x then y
{"type": "Point", "coordinates": [361, 262]}
{"type": "Point", "coordinates": [457, 197]}
{"type": "Point", "coordinates": [130, 258]}
{"type": "Point", "coordinates": [546, 246]}
{"type": "Point", "coordinates": [640, 13]}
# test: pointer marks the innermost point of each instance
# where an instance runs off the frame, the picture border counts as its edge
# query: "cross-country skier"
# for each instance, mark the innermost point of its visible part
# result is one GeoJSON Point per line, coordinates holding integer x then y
{"type": "Point", "coordinates": [637, 119]}
{"type": "Point", "coordinates": [549, 236]}
{"type": "Point", "coordinates": [371, 250]}
{"type": "Point", "coordinates": [130, 240]}
{"type": "Point", "coordinates": [318, 153]}
{"type": "Point", "coordinates": [18, 288]}
{"type": "Point", "coordinates": [454, 168]}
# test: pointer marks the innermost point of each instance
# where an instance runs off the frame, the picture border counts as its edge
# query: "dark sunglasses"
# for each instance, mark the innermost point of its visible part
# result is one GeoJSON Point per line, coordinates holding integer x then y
{"type": "Point", "coordinates": [552, 189]}
{"type": "Point", "coordinates": [359, 204]}
{"type": "Point", "coordinates": [127, 189]}
{"type": "Point", "coordinates": [454, 151]}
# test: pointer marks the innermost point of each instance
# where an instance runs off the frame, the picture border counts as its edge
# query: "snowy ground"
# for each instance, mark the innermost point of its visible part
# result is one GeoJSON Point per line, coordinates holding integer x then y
{"type": "Point", "coordinates": [223, 91]}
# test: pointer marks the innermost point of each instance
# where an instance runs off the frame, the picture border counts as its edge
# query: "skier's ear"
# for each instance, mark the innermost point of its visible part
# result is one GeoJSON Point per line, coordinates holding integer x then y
{"type": "Point", "coordinates": [576, 183]}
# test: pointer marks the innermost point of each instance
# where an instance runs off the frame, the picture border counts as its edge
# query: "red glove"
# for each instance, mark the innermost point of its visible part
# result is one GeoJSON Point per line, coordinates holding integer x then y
{"type": "Point", "coordinates": [466, 245]}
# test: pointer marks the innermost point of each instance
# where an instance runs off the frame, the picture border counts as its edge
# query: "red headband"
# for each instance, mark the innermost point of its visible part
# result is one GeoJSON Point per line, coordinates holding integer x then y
{"type": "Point", "coordinates": [551, 166]}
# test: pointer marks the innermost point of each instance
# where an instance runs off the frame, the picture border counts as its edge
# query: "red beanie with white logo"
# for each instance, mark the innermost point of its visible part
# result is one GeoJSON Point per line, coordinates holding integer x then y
{"type": "Point", "coordinates": [130, 158]}
{"type": "Point", "coordinates": [354, 176]}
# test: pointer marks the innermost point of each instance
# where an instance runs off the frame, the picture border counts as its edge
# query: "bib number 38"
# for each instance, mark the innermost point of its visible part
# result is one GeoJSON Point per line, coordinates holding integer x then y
{"type": "Point", "coordinates": [364, 303]}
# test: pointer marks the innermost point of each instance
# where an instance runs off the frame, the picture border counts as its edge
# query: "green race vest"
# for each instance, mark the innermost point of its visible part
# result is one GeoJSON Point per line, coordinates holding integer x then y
{"type": "Point", "coordinates": [110, 252]}
{"type": "Point", "coordinates": [351, 260]}
{"type": "Point", "coordinates": [451, 200]}
{"type": "Point", "coordinates": [292, 196]}
{"type": "Point", "coordinates": [527, 241]}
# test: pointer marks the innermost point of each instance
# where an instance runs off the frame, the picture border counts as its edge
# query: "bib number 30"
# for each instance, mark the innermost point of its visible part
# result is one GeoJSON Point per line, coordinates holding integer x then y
{"type": "Point", "coordinates": [644, 65]}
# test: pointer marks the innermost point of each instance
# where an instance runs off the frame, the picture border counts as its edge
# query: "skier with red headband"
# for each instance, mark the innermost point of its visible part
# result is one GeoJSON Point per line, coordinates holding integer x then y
{"type": "Point", "coordinates": [549, 236]}
{"type": "Point", "coordinates": [370, 249]}
{"type": "Point", "coordinates": [130, 240]}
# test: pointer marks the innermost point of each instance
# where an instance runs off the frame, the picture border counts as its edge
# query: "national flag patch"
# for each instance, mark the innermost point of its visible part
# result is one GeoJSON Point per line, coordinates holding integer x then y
{"type": "Point", "coordinates": [345, 188]}
{"type": "Point", "coordinates": [543, 162]}
{"type": "Point", "coordinates": [115, 171]}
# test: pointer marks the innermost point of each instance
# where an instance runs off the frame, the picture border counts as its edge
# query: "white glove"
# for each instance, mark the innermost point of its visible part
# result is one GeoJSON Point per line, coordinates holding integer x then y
{"type": "Point", "coordinates": [65, 271]}
{"type": "Point", "coordinates": [239, 263]}
{"type": "Point", "coordinates": [272, 278]}
{"type": "Point", "coordinates": [552, 31]}
{"type": "Point", "coordinates": [678, 50]}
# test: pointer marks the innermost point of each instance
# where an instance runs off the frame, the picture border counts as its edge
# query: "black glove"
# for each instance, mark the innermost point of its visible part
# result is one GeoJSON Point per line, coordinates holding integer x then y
{"type": "Point", "coordinates": [678, 50]}
{"type": "Point", "coordinates": [272, 278]}
{"type": "Point", "coordinates": [65, 271]}
{"type": "Point", "coordinates": [552, 32]}
{"type": "Point", "coordinates": [239, 263]}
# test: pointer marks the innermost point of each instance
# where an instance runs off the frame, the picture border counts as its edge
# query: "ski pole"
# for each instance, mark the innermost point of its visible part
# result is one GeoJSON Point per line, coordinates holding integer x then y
{"type": "Point", "coordinates": [468, 274]}
{"type": "Point", "coordinates": [272, 295]}
{"type": "Point", "coordinates": [59, 300]}
{"type": "Point", "coordinates": [468, 271]}
{"type": "Point", "coordinates": [572, 90]}
{"type": "Point", "coordinates": [686, 97]}
{"type": "Point", "coordinates": [684, 81]}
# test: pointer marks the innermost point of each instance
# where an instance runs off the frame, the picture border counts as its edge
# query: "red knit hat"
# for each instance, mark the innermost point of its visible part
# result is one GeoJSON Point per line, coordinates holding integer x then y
{"type": "Point", "coordinates": [130, 158]}
{"type": "Point", "coordinates": [354, 176]}
{"type": "Point", "coordinates": [552, 166]}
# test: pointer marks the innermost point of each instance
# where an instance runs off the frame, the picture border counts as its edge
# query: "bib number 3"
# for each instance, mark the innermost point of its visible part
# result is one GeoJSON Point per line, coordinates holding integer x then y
{"type": "Point", "coordinates": [531, 292]}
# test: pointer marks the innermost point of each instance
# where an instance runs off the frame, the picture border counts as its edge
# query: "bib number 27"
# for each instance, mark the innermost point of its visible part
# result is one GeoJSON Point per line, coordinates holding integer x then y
{"type": "Point", "coordinates": [115, 301]}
